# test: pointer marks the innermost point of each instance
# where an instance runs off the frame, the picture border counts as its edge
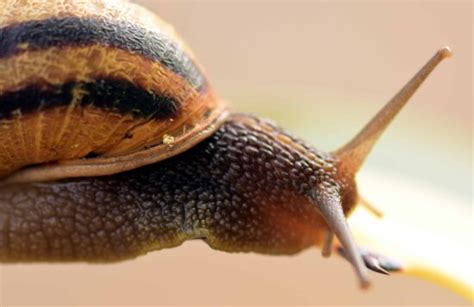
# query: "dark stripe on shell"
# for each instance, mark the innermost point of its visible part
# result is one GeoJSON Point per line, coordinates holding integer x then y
{"type": "Point", "coordinates": [57, 32]}
{"type": "Point", "coordinates": [113, 95]}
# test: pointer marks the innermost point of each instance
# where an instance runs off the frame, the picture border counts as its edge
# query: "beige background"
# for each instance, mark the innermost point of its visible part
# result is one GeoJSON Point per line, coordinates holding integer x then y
{"type": "Point", "coordinates": [321, 69]}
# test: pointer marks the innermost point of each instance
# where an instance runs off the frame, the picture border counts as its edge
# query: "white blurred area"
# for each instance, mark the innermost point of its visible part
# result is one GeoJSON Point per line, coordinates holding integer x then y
{"type": "Point", "coordinates": [321, 69]}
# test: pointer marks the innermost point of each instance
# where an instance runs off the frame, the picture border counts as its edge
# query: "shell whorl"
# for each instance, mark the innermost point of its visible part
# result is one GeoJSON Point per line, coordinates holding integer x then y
{"type": "Point", "coordinates": [100, 78]}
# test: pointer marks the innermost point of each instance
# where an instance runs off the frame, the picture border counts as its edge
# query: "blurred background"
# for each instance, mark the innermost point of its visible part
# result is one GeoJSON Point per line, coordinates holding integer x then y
{"type": "Point", "coordinates": [321, 69]}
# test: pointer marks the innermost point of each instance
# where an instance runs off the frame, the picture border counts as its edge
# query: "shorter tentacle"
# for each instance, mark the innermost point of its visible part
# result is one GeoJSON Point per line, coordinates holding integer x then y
{"type": "Point", "coordinates": [371, 208]}
{"type": "Point", "coordinates": [375, 262]}
{"type": "Point", "coordinates": [327, 246]}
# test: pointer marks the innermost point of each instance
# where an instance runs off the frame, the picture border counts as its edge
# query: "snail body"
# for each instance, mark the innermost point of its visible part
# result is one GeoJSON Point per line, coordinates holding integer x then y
{"type": "Point", "coordinates": [113, 143]}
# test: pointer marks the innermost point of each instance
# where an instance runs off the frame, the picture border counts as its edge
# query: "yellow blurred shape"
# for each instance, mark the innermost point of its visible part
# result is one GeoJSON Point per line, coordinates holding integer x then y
{"type": "Point", "coordinates": [427, 230]}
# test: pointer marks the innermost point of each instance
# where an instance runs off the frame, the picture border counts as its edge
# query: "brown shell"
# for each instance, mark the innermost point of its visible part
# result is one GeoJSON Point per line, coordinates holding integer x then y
{"type": "Point", "coordinates": [95, 88]}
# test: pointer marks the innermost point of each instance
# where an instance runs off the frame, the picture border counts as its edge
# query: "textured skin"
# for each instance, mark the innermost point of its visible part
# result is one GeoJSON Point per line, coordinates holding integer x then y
{"type": "Point", "coordinates": [246, 188]}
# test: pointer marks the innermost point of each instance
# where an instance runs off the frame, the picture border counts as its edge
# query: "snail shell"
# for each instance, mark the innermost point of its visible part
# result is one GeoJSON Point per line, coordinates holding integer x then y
{"type": "Point", "coordinates": [97, 83]}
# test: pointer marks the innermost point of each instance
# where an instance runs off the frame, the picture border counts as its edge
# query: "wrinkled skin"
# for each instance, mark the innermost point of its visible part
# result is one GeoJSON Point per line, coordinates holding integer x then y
{"type": "Point", "coordinates": [246, 188]}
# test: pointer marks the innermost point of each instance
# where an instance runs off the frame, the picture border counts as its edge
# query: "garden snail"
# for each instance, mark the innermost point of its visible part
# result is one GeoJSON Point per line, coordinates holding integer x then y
{"type": "Point", "coordinates": [113, 143]}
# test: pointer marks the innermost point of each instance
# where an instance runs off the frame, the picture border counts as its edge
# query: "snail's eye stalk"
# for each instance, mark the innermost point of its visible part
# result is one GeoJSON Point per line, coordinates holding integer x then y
{"type": "Point", "coordinates": [353, 154]}
{"type": "Point", "coordinates": [329, 204]}
{"type": "Point", "coordinates": [351, 157]}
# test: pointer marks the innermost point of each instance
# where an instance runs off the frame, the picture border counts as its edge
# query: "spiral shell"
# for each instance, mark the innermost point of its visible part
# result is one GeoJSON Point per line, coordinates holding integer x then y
{"type": "Point", "coordinates": [87, 81]}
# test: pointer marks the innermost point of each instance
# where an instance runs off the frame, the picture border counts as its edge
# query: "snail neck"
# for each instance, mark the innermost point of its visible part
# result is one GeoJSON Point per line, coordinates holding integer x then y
{"type": "Point", "coordinates": [245, 188]}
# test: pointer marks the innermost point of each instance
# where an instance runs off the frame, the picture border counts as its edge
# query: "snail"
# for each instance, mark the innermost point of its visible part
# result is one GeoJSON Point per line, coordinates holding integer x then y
{"type": "Point", "coordinates": [113, 143]}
